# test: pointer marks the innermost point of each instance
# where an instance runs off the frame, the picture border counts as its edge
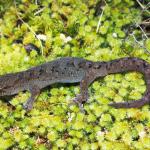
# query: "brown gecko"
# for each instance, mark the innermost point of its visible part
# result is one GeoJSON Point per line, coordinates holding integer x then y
{"type": "Point", "coordinates": [71, 70]}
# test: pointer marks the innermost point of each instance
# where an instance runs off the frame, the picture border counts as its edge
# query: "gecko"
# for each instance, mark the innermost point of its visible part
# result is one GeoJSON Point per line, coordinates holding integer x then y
{"type": "Point", "coordinates": [73, 70]}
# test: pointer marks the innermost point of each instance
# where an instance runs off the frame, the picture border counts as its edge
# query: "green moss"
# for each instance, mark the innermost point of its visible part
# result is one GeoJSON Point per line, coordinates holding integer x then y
{"type": "Point", "coordinates": [52, 136]}
{"type": "Point", "coordinates": [5, 143]}
{"type": "Point", "coordinates": [70, 29]}
{"type": "Point", "coordinates": [84, 146]}
{"type": "Point", "coordinates": [105, 120]}
{"type": "Point", "coordinates": [78, 125]}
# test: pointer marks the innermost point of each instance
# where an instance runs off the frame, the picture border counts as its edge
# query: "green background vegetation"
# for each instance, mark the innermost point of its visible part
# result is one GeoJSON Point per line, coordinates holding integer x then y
{"type": "Point", "coordinates": [75, 28]}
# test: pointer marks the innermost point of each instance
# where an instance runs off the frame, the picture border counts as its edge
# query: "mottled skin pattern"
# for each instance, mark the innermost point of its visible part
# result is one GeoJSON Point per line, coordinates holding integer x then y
{"type": "Point", "coordinates": [71, 70]}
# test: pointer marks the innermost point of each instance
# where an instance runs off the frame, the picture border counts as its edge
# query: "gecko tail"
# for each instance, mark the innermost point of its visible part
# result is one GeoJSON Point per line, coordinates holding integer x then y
{"type": "Point", "coordinates": [132, 104]}
{"type": "Point", "coordinates": [132, 64]}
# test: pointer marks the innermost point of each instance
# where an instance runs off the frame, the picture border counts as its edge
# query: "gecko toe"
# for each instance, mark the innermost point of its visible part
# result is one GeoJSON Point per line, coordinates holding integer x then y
{"type": "Point", "coordinates": [27, 107]}
{"type": "Point", "coordinates": [80, 99]}
{"type": "Point", "coordinates": [82, 109]}
{"type": "Point", "coordinates": [77, 99]}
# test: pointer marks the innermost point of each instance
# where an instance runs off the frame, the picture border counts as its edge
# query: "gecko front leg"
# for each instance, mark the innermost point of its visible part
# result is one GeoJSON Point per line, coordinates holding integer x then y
{"type": "Point", "coordinates": [35, 91]}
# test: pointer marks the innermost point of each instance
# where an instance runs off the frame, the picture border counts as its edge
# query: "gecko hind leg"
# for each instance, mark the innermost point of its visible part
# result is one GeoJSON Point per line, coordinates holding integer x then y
{"type": "Point", "coordinates": [133, 104]}
{"type": "Point", "coordinates": [35, 91]}
{"type": "Point", "coordinates": [83, 96]}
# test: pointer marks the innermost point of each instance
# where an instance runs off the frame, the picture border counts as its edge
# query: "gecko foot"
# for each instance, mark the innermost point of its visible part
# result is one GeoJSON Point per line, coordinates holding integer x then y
{"type": "Point", "coordinates": [79, 100]}
{"type": "Point", "coordinates": [80, 105]}
{"type": "Point", "coordinates": [27, 106]}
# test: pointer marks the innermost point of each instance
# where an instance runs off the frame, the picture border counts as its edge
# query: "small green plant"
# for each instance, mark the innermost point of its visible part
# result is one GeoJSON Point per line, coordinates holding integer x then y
{"type": "Point", "coordinates": [72, 28]}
